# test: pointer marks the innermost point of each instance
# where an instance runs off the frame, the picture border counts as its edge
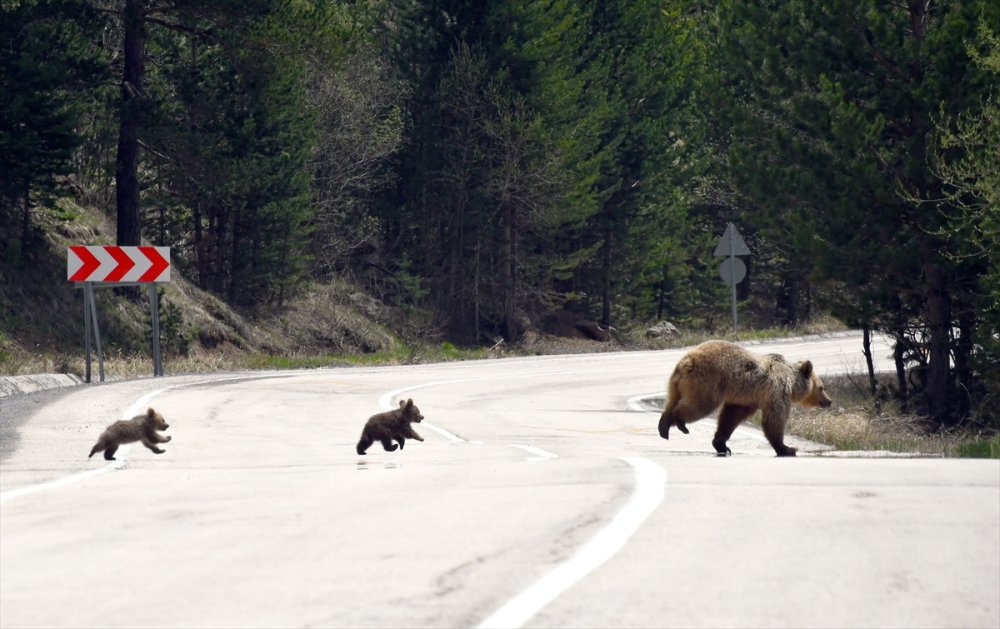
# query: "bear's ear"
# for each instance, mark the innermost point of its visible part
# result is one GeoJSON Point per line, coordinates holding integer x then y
{"type": "Point", "coordinates": [409, 403]}
{"type": "Point", "coordinates": [806, 368]}
{"type": "Point", "coordinates": [150, 412]}
{"type": "Point", "coordinates": [402, 404]}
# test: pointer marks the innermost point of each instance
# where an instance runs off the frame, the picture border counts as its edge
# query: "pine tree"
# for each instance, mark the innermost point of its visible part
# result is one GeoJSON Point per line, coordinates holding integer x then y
{"type": "Point", "coordinates": [830, 127]}
{"type": "Point", "coordinates": [45, 65]}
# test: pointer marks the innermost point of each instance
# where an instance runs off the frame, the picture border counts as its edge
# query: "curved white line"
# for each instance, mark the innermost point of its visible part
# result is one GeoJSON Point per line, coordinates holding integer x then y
{"type": "Point", "coordinates": [635, 403]}
{"type": "Point", "coordinates": [385, 403]}
{"type": "Point", "coordinates": [651, 480]}
{"type": "Point", "coordinates": [122, 455]}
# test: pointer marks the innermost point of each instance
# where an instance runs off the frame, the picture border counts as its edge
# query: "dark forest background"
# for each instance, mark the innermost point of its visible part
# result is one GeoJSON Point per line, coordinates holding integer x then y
{"type": "Point", "coordinates": [495, 162]}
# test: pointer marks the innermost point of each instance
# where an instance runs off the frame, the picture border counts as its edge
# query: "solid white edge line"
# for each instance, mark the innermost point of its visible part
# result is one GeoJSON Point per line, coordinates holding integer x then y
{"type": "Point", "coordinates": [647, 496]}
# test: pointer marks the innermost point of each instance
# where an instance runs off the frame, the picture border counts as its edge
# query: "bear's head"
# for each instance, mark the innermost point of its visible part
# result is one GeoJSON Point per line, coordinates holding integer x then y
{"type": "Point", "coordinates": [814, 391]}
{"type": "Point", "coordinates": [410, 411]}
{"type": "Point", "coordinates": [156, 420]}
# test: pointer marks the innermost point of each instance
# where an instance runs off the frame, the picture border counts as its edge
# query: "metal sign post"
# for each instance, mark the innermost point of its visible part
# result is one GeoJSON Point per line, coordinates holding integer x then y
{"type": "Point", "coordinates": [111, 266]}
{"type": "Point", "coordinates": [732, 269]}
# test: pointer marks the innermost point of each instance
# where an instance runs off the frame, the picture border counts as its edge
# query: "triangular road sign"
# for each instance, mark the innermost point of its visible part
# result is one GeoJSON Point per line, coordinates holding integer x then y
{"type": "Point", "coordinates": [739, 248]}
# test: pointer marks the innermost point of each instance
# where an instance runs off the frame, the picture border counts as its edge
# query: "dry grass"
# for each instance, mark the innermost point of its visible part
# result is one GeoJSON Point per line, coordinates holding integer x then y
{"type": "Point", "coordinates": [854, 424]}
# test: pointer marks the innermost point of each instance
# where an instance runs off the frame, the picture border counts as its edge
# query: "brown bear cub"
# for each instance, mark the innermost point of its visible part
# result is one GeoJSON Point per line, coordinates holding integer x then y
{"type": "Point", "coordinates": [394, 424]}
{"type": "Point", "coordinates": [140, 428]}
{"type": "Point", "coordinates": [718, 373]}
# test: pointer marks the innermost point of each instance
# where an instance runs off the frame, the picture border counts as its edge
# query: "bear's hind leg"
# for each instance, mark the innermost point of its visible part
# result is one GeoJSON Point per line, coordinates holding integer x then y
{"type": "Point", "coordinates": [109, 452]}
{"type": "Point", "coordinates": [388, 444]}
{"type": "Point", "coordinates": [97, 448]}
{"type": "Point", "coordinates": [401, 439]}
{"type": "Point", "coordinates": [731, 416]}
{"type": "Point", "coordinates": [364, 443]}
{"type": "Point", "coordinates": [680, 412]}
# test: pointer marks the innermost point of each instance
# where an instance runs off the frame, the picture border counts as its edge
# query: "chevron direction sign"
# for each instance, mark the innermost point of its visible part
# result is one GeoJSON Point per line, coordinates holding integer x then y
{"type": "Point", "coordinates": [117, 264]}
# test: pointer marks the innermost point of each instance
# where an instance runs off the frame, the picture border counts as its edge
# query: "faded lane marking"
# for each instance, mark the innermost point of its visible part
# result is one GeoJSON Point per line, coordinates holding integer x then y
{"type": "Point", "coordinates": [540, 455]}
{"type": "Point", "coordinates": [385, 401]}
{"type": "Point", "coordinates": [651, 480]}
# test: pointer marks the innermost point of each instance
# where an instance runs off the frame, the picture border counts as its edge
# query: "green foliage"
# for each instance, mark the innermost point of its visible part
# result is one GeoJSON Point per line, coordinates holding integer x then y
{"type": "Point", "coordinates": [979, 449]}
{"type": "Point", "coordinates": [479, 164]}
{"type": "Point", "coordinates": [45, 66]}
{"type": "Point", "coordinates": [829, 128]}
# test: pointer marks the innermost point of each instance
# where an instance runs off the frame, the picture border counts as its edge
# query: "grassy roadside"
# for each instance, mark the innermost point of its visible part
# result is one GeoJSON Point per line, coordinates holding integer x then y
{"type": "Point", "coordinates": [854, 424]}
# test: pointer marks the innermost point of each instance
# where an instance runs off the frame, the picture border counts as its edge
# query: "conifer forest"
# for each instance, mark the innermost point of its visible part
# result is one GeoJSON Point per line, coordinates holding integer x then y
{"type": "Point", "coordinates": [491, 161]}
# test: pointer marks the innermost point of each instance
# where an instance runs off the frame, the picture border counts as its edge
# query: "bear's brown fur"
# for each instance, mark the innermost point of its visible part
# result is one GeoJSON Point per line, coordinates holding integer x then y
{"type": "Point", "coordinates": [717, 373]}
{"type": "Point", "coordinates": [394, 424]}
{"type": "Point", "coordinates": [140, 428]}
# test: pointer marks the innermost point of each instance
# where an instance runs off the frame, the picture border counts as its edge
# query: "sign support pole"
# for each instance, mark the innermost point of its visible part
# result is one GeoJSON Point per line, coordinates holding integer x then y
{"type": "Point", "coordinates": [154, 302]}
{"type": "Point", "coordinates": [86, 329]}
{"type": "Point", "coordinates": [89, 288]}
{"type": "Point", "coordinates": [732, 265]}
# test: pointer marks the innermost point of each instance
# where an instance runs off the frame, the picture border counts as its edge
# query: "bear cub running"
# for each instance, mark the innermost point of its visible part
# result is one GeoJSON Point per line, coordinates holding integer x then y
{"type": "Point", "coordinates": [140, 428]}
{"type": "Point", "coordinates": [394, 424]}
{"type": "Point", "coordinates": [718, 373]}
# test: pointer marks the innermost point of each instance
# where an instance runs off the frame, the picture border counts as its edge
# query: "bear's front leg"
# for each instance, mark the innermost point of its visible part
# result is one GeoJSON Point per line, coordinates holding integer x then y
{"type": "Point", "coordinates": [161, 438]}
{"type": "Point", "coordinates": [774, 421]}
{"type": "Point", "coordinates": [412, 434]}
{"type": "Point", "coordinates": [152, 446]}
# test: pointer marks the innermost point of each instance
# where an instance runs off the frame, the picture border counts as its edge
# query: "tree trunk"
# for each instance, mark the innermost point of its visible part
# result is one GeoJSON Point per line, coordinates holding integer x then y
{"type": "Point", "coordinates": [939, 326]}
{"type": "Point", "coordinates": [127, 163]}
{"type": "Point", "coordinates": [201, 256]}
{"type": "Point", "coordinates": [510, 254]}
{"type": "Point", "coordinates": [867, 345]}
{"type": "Point", "coordinates": [26, 220]}
{"type": "Point", "coordinates": [897, 355]}
{"type": "Point", "coordinates": [606, 279]}
{"type": "Point", "coordinates": [235, 263]}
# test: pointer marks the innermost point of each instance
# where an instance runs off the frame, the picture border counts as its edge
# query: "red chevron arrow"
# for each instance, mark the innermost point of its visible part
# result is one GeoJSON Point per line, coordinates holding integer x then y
{"type": "Point", "coordinates": [159, 264]}
{"type": "Point", "coordinates": [90, 264]}
{"type": "Point", "coordinates": [125, 263]}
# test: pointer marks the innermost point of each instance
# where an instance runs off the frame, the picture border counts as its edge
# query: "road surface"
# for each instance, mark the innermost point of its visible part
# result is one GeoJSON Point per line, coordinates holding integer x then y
{"type": "Point", "coordinates": [542, 496]}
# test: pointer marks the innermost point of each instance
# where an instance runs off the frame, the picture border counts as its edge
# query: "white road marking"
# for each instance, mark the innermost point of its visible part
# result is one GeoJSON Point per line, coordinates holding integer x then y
{"type": "Point", "coordinates": [385, 403]}
{"type": "Point", "coordinates": [635, 403]}
{"type": "Point", "coordinates": [540, 455]}
{"type": "Point", "coordinates": [121, 456]}
{"type": "Point", "coordinates": [651, 480]}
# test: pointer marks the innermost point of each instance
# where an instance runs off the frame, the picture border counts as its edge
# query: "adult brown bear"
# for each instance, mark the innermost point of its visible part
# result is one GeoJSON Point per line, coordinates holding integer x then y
{"type": "Point", "coordinates": [717, 373]}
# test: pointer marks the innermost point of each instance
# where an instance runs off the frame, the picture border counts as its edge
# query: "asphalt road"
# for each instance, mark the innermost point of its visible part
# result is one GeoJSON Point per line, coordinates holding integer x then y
{"type": "Point", "coordinates": [542, 496]}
